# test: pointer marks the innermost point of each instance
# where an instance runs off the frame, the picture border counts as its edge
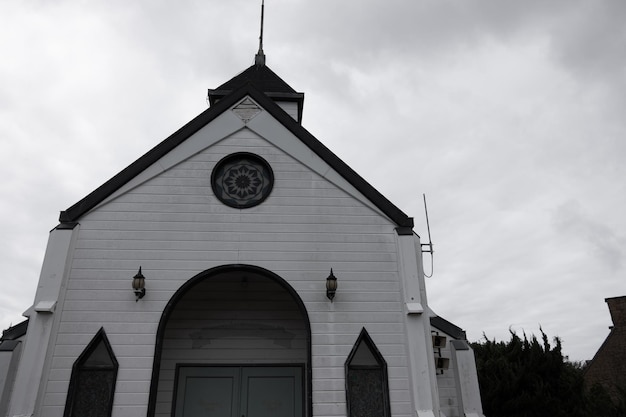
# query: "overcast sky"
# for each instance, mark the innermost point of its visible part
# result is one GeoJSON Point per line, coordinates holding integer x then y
{"type": "Point", "coordinates": [510, 116]}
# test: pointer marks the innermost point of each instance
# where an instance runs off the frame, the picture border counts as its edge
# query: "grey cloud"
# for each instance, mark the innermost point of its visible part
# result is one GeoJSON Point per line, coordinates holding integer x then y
{"type": "Point", "coordinates": [429, 96]}
{"type": "Point", "coordinates": [570, 219]}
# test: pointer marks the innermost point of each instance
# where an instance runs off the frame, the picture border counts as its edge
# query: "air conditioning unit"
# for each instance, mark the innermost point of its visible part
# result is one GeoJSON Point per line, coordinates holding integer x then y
{"type": "Point", "coordinates": [442, 363]}
{"type": "Point", "coordinates": [439, 342]}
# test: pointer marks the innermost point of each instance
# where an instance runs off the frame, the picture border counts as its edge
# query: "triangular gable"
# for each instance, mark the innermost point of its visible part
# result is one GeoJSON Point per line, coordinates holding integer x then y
{"type": "Point", "coordinates": [74, 213]}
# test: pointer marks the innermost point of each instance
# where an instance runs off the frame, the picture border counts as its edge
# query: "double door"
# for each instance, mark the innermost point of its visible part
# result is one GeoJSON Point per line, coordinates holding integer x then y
{"type": "Point", "coordinates": [239, 391]}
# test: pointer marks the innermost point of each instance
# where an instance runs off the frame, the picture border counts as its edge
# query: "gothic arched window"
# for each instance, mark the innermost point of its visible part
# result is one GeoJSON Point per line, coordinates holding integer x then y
{"type": "Point", "coordinates": [367, 389]}
{"type": "Point", "coordinates": [92, 385]}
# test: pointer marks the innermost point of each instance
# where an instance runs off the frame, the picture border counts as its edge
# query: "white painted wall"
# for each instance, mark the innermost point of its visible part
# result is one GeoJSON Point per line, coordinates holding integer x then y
{"type": "Point", "coordinates": [291, 108]}
{"type": "Point", "coordinates": [171, 224]}
{"type": "Point", "coordinates": [467, 377]}
{"type": "Point", "coordinates": [9, 360]}
{"type": "Point", "coordinates": [459, 392]}
{"type": "Point", "coordinates": [5, 363]}
{"type": "Point", "coordinates": [39, 341]}
{"type": "Point", "coordinates": [449, 392]}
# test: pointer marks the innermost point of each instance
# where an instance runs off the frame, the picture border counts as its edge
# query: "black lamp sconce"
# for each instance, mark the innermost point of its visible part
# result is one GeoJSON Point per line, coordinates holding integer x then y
{"type": "Point", "coordinates": [139, 285]}
{"type": "Point", "coordinates": [331, 286]}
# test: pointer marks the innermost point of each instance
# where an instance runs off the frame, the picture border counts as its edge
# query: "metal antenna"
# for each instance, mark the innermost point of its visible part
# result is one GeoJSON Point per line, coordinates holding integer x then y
{"type": "Point", "coordinates": [429, 245]}
{"type": "Point", "coordinates": [259, 58]}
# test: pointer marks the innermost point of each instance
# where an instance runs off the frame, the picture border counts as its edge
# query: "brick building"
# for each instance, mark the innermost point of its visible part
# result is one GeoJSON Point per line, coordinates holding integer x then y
{"type": "Point", "coordinates": [608, 366]}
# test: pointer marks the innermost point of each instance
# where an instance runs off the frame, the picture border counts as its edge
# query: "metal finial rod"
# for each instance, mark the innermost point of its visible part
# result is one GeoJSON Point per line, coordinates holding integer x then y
{"type": "Point", "coordinates": [259, 59]}
{"type": "Point", "coordinates": [261, 35]}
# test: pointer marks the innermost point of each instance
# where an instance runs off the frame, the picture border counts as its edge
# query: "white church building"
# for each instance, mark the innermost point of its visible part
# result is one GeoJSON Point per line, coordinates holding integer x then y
{"type": "Point", "coordinates": [238, 268]}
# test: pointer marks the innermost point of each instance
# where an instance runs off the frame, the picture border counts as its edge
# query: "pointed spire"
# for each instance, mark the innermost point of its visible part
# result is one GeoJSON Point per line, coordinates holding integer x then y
{"type": "Point", "coordinates": [259, 58]}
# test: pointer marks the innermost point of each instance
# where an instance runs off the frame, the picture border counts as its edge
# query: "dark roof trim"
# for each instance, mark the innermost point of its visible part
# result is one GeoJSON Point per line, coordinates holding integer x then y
{"type": "Point", "coordinates": [460, 344]}
{"type": "Point", "coordinates": [262, 77]}
{"type": "Point", "coordinates": [216, 95]}
{"type": "Point", "coordinates": [447, 327]}
{"type": "Point", "coordinates": [15, 332]}
{"type": "Point", "coordinates": [73, 213]}
{"type": "Point", "coordinates": [298, 98]}
{"type": "Point", "coordinates": [67, 226]}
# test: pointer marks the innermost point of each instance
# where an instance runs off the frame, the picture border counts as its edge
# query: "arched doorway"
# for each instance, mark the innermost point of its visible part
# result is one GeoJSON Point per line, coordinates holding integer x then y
{"type": "Point", "coordinates": [234, 339]}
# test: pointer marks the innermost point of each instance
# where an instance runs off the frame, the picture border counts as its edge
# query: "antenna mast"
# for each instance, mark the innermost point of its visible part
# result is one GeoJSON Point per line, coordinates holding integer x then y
{"type": "Point", "coordinates": [430, 242]}
{"type": "Point", "coordinates": [259, 59]}
{"type": "Point", "coordinates": [429, 245]}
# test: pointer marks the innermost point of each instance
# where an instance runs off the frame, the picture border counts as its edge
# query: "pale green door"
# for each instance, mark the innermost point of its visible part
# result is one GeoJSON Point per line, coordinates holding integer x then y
{"type": "Point", "coordinates": [238, 391]}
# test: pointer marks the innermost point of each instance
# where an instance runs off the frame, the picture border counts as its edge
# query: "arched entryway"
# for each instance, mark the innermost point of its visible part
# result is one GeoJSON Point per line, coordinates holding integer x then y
{"type": "Point", "coordinates": [233, 338]}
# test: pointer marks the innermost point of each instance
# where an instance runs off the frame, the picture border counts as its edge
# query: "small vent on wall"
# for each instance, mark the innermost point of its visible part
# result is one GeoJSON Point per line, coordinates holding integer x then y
{"type": "Point", "coordinates": [246, 110]}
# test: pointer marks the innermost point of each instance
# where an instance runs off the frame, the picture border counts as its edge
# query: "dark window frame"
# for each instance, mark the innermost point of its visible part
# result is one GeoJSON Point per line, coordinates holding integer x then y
{"type": "Point", "coordinates": [79, 369]}
{"type": "Point", "coordinates": [381, 367]}
{"type": "Point", "coordinates": [261, 165]}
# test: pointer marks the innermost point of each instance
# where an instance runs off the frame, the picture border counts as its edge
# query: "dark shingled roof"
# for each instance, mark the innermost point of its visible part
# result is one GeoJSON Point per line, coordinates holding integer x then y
{"type": "Point", "coordinates": [15, 332]}
{"type": "Point", "coordinates": [262, 78]}
{"type": "Point", "coordinates": [447, 327]}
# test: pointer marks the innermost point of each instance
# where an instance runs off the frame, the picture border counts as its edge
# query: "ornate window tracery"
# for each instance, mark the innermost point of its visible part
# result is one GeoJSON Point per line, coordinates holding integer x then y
{"type": "Point", "coordinates": [367, 389]}
{"type": "Point", "coordinates": [92, 385]}
{"type": "Point", "coordinates": [242, 180]}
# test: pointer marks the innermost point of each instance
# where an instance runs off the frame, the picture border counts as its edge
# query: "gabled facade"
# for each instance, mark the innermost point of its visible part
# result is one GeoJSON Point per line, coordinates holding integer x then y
{"type": "Point", "coordinates": [235, 221]}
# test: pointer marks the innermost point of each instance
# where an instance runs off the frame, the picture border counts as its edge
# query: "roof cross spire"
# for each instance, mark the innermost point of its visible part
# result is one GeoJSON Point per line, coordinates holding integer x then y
{"type": "Point", "coordinates": [259, 58]}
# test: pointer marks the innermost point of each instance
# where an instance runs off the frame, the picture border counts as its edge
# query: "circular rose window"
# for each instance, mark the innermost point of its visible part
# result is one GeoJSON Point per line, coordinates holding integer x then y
{"type": "Point", "coordinates": [242, 180]}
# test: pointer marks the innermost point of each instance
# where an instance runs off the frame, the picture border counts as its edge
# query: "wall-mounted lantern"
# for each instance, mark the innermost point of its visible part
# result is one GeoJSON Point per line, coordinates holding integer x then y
{"type": "Point", "coordinates": [442, 364]}
{"type": "Point", "coordinates": [439, 342]}
{"type": "Point", "coordinates": [331, 285]}
{"type": "Point", "coordinates": [139, 285]}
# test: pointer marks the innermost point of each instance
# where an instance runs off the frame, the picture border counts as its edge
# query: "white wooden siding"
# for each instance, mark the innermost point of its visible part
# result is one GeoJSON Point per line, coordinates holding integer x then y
{"type": "Point", "coordinates": [290, 108]}
{"type": "Point", "coordinates": [175, 228]}
{"type": "Point", "coordinates": [446, 381]}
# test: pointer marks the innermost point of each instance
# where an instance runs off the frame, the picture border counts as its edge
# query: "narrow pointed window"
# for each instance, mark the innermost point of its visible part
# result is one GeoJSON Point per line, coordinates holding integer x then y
{"type": "Point", "coordinates": [92, 385]}
{"type": "Point", "coordinates": [367, 389]}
